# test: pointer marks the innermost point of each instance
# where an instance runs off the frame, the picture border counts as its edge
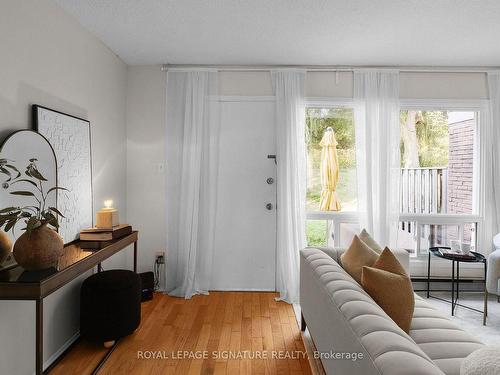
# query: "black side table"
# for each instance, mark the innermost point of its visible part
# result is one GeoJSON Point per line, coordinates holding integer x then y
{"type": "Point", "coordinates": [455, 278]}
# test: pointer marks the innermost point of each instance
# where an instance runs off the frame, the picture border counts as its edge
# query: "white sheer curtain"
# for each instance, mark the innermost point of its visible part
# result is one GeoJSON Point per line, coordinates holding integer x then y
{"type": "Point", "coordinates": [376, 95]}
{"type": "Point", "coordinates": [489, 134]}
{"type": "Point", "coordinates": [291, 179]}
{"type": "Point", "coordinates": [192, 132]}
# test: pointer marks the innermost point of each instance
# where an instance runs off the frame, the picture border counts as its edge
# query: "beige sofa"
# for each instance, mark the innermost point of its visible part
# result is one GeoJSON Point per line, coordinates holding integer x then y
{"type": "Point", "coordinates": [346, 324]}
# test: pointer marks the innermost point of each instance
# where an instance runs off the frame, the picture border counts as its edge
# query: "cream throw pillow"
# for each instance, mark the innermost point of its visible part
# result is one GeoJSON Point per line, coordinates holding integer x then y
{"type": "Point", "coordinates": [390, 286]}
{"type": "Point", "coordinates": [367, 239]}
{"type": "Point", "coordinates": [356, 257]}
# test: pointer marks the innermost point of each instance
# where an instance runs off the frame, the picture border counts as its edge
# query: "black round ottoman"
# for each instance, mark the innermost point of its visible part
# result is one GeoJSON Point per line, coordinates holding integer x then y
{"type": "Point", "coordinates": [110, 305]}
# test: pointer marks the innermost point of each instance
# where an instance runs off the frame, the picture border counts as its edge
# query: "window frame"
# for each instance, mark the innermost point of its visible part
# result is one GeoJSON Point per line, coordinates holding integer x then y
{"type": "Point", "coordinates": [335, 217]}
{"type": "Point", "coordinates": [477, 215]}
{"type": "Point", "coordinates": [473, 105]}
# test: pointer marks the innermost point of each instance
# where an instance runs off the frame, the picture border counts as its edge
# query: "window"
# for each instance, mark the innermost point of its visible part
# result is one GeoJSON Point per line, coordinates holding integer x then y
{"type": "Point", "coordinates": [341, 120]}
{"type": "Point", "coordinates": [331, 226]}
{"type": "Point", "coordinates": [438, 167]}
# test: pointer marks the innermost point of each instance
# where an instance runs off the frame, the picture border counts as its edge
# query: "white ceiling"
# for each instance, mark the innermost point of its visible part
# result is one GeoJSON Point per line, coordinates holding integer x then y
{"type": "Point", "coordinates": [296, 32]}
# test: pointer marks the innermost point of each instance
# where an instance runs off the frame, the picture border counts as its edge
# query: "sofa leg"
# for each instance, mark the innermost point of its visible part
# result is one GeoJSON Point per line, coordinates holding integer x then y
{"type": "Point", "coordinates": [302, 322]}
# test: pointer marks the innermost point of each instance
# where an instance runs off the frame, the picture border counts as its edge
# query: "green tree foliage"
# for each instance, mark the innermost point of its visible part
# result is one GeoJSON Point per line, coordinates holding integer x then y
{"type": "Point", "coordinates": [341, 120]}
{"type": "Point", "coordinates": [432, 137]}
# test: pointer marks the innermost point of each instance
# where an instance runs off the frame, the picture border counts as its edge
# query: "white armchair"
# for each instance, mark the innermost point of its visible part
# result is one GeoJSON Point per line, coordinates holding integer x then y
{"type": "Point", "coordinates": [493, 274]}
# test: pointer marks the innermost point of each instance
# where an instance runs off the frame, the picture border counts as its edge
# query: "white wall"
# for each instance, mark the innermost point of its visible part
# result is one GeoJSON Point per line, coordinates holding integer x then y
{"type": "Point", "coordinates": [47, 58]}
{"type": "Point", "coordinates": [146, 160]}
{"type": "Point", "coordinates": [413, 85]}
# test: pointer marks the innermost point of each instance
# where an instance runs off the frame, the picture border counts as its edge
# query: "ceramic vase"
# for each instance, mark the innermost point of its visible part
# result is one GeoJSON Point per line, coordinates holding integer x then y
{"type": "Point", "coordinates": [38, 250]}
{"type": "Point", "coordinates": [5, 246]}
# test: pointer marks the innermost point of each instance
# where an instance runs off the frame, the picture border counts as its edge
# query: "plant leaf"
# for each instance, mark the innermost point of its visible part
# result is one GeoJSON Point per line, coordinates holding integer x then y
{"type": "Point", "coordinates": [54, 223]}
{"type": "Point", "coordinates": [56, 211]}
{"type": "Point", "coordinates": [23, 192]}
{"type": "Point", "coordinates": [31, 224]}
{"type": "Point", "coordinates": [10, 215]}
{"type": "Point", "coordinates": [14, 169]}
{"type": "Point", "coordinates": [56, 188]}
{"type": "Point", "coordinates": [10, 224]}
{"type": "Point", "coordinates": [8, 209]}
{"type": "Point", "coordinates": [36, 174]}
{"type": "Point", "coordinates": [24, 180]}
{"type": "Point", "coordinates": [50, 219]}
{"type": "Point", "coordinates": [6, 171]}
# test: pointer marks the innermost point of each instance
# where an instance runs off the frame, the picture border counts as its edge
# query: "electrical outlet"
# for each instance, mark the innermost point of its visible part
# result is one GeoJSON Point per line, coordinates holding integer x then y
{"type": "Point", "coordinates": [160, 257]}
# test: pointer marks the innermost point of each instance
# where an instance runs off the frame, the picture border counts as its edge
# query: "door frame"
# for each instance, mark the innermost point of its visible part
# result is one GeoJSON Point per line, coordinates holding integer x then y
{"type": "Point", "coordinates": [249, 99]}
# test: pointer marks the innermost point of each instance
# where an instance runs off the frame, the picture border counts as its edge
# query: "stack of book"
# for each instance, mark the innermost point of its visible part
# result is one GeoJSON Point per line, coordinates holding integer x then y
{"type": "Point", "coordinates": [99, 237]}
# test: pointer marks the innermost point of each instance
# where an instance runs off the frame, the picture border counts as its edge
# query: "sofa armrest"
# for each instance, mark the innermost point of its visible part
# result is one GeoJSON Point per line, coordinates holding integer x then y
{"type": "Point", "coordinates": [332, 252]}
{"type": "Point", "coordinates": [493, 274]}
{"type": "Point", "coordinates": [403, 256]}
{"type": "Point", "coordinates": [335, 252]}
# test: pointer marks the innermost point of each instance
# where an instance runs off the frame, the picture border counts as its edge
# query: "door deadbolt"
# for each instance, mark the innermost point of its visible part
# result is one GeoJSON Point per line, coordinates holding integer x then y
{"type": "Point", "coordinates": [270, 181]}
{"type": "Point", "coordinates": [269, 206]}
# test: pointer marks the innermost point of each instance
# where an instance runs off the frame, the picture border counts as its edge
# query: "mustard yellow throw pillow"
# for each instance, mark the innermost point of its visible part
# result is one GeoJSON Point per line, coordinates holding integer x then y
{"type": "Point", "coordinates": [390, 286]}
{"type": "Point", "coordinates": [368, 240]}
{"type": "Point", "coordinates": [356, 257]}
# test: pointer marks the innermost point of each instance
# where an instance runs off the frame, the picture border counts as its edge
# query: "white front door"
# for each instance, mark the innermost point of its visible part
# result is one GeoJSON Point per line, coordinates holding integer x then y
{"type": "Point", "coordinates": [245, 240]}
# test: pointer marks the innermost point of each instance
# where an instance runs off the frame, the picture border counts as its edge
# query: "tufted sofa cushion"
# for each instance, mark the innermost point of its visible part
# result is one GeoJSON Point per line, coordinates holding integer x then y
{"type": "Point", "coordinates": [342, 317]}
{"type": "Point", "coordinates": [440, 338]}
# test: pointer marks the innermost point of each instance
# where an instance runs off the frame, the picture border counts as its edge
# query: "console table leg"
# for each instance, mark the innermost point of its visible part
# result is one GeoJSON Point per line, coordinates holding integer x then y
{"type": "Point", "coordinates": [485, 312]}
{"type": "Point", "coordinates": [485, 308]}
{"type": "Point", "coordinates": [452, 287]}
{"type": "Point", "coordinates": [135, 256]}
{"type": "Point", "coordinates": [39, 337]}
{"type": "Point", "coordinates": [428, 275]}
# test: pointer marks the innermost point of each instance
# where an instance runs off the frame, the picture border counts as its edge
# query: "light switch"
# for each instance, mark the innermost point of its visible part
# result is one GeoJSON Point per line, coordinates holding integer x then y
{"type": "Point", "coordinates": [160, 168]}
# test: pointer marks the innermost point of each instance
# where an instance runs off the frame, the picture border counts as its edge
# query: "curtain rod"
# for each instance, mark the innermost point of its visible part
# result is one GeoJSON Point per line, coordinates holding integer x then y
{"type": "Point", "coordinates": [333, 68]}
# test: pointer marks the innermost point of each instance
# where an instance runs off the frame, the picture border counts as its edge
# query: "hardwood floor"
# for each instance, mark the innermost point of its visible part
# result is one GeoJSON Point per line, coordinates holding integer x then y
{"type": "Point", "coordinates": [228, 329]}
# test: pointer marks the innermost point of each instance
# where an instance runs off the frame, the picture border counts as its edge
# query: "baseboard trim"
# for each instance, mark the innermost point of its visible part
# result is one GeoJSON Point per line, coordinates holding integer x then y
{"type": "Point", "coordinates": [241, 290]}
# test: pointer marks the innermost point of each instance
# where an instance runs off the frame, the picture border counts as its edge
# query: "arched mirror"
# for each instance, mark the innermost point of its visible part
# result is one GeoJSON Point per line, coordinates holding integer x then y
{"type": "Point", "coordinates": [24, 155]}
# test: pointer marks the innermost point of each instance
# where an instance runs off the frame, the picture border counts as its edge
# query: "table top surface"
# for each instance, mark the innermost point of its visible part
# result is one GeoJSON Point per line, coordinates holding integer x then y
{"type": "Point", "coordinates": [73, 255]}
{"type": "Point", "coordinates": [477, 258]}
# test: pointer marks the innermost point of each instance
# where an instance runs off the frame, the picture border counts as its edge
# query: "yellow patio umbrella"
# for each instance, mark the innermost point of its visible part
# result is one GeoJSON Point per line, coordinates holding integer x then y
{"type": "Point", "coordinates": [329, 172]}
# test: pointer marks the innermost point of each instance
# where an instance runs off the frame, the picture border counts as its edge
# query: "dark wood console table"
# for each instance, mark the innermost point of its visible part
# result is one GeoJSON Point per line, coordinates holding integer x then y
{"type": "Point", "coordinates": [18, 284]}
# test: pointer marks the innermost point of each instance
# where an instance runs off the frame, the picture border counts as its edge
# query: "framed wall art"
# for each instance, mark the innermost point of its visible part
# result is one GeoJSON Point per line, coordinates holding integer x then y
{"type": "Point", "coordinates": [70, 138]}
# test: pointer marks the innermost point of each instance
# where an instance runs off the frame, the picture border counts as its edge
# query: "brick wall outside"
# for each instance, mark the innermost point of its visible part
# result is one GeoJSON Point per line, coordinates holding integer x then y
{"type": "Point", "coordinates": [460, 168]}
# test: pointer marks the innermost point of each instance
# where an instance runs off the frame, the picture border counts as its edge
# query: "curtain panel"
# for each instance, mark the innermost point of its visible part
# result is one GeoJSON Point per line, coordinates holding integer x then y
{"type": "Point", "coordinates": [192, 133]}
{"type": "Point", "coordinates": [291, 179]}
{"type": "Point", "coordinates": [489, 140]}
{"type": "Point", "coordinates": [376, 95]}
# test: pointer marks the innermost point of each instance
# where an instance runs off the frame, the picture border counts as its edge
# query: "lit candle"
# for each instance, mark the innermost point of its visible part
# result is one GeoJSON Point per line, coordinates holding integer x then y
{"type": "Point", "coordinates": [107, 217]}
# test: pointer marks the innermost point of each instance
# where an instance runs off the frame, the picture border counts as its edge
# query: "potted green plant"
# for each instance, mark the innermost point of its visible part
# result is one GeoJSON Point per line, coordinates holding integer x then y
{"type": "Point", "coordinates": [40, 246]}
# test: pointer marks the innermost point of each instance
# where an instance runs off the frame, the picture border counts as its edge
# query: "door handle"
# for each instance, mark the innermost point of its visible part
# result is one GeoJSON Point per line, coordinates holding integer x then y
{"type": "Point", "coordinates": [270, 181]}
{"type": "Point", "coordinates": [269, 206]}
